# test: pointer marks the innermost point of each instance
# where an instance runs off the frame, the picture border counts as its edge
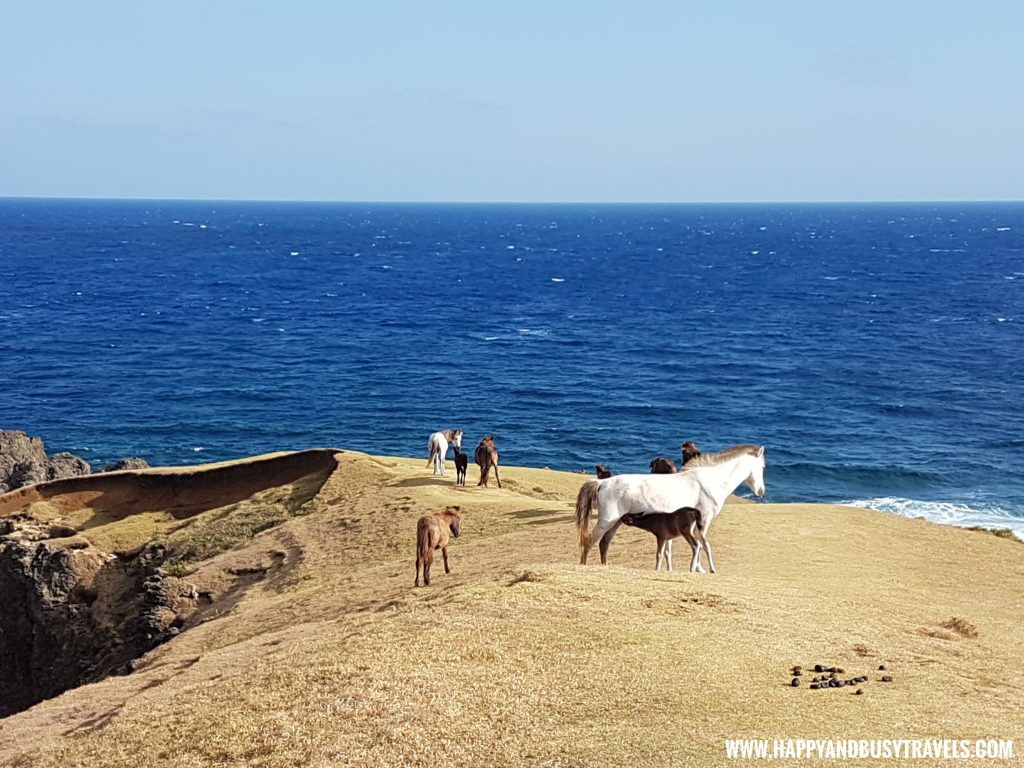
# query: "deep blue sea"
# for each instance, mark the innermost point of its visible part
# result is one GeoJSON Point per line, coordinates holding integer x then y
{"type": "Point", "coordinates": [876, 350]}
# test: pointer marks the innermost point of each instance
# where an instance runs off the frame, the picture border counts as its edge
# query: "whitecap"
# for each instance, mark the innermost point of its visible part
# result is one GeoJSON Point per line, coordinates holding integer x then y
{"type": "Point", "coordinates": [198, 449]}
{"type": "Point", "coordinates": [491, 338]}
{"type": "Point", "coordinates": [510, 247]}
{"type": "Point", "coordinates": [557, 279]}
{"type": "Point", "coordinates": [830, 278]}
{"type": "Point", "coordinates": [1002, 229]}
{"type": "Point", "coordinates": [202, 226]}
{"type": "Point", "coordinates": [754, 253]}
{"type": "Point", "coordinates": [293, 253]}
{"type": "Point", "coordinates": [945, 512]}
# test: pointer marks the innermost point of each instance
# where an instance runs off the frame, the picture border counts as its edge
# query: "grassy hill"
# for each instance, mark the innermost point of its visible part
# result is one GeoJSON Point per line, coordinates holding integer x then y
{"type": "Point", "coordinates": [325, 654]}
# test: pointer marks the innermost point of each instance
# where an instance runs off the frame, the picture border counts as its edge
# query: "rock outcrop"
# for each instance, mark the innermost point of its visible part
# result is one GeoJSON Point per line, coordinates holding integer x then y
{"type": "Point", "coordinates": [23, 461]}
{"type": "Point", "coordinates": [72, 614]}
{"type": "Point", "coordinates": [64, 465]}
{"type": "Point", "coordinates": [132, 462]}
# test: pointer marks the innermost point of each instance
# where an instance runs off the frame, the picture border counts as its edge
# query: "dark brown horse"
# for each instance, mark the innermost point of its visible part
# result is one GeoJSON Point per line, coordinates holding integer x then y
{"type": "Point", "coordinates": [461, 462]}
{"type": "Point", "coordinates": [660, 466]}
{"type": "Point", "coordinates": [487, 457]}
{"type": "Point", "coordinates": [602, 471]}
{"type": "Point", "coordinates": [689, 451]}
{"type": "Point", "coordinates": [432, 533]}
{"type": "Point", "coordinates": [685, 521]}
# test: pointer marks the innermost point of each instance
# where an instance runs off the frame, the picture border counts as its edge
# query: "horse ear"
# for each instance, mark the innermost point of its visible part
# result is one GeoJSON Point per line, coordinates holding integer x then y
{"type": "Point", "coordinates": [760, 451]}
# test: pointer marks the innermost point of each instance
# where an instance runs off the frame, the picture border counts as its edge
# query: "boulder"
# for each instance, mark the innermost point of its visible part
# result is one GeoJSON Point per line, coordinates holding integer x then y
{"type": "Point", "coordinates": [132, 462]}
{"type": "Point", "coordinates": [63, 465]}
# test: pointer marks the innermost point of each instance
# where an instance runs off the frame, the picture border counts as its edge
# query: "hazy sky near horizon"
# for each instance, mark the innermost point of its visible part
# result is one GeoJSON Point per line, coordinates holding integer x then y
{"type": "Point", "coordinates": [527, 101]}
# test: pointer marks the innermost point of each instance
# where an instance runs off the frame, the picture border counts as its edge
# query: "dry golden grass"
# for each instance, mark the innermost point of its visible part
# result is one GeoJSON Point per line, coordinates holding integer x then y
{"type": "Point", "coordinates": [520, 657]}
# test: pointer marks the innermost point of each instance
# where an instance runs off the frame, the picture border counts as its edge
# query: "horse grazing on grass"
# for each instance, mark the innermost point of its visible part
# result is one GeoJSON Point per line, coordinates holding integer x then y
{"type": "Point", "coordinates": [432, 533]}
{"type": "Point", "coordinates": [685, 521]}
{"type": "Point", "coordinates": [437, 448]}
{"type": "Point", "coordinates": [662, 466]}
{"type": "Point", "coordinates": [487, 457]}
{"type": "Point", "coordinates": [706, 483]}
{"type": "Point", "coordinates": [461, 462]}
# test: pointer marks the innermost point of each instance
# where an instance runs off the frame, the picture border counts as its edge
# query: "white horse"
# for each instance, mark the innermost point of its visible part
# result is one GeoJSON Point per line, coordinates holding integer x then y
{"type": "Point", "coordinates": [705, 483]}
{"type": "Point", "coordinates": [437, 448]}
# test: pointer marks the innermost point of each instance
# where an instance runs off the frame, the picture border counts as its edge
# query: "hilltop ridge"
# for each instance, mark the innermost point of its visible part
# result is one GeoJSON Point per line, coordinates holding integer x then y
{"type": "Point", "coordinates": [327, 655]}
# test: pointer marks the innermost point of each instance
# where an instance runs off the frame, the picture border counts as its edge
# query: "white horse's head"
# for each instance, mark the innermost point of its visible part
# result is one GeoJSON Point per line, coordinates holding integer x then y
{"type": "Point", "coordinates": [457, 438]}
{"type": "Point", "coordinates": [756, 478]}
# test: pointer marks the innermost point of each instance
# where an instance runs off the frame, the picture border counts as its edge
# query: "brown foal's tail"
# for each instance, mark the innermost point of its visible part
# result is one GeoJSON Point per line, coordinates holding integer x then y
{"type": "Point", "coordinates": [698, 518]}
{"type": "Point", "coordinates": [584, 503]}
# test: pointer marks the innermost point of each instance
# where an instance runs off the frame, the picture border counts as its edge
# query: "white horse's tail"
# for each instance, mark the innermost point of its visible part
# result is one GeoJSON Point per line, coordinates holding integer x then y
{"type": "Point", "coordinates": [584, 503]}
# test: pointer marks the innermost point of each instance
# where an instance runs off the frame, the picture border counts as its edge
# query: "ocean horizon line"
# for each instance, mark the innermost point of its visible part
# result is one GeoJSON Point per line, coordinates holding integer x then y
{"type": "Point", "coordinates": [514, 203]}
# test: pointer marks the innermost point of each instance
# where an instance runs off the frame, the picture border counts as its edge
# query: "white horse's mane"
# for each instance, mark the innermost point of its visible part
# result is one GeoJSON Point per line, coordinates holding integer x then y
{"type": "Point", "coordinates": [711, 459]}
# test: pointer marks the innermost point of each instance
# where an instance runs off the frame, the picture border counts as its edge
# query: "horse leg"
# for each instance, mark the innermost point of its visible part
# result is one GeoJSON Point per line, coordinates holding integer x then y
{"type": "Point", "coordinates": [707, 545]}
{"type": "Point", "coordinates": [428, 560]}
{"type": "Point", "coordinates": [668, 553]}
{"type": "Point", "coordinates": [496, 477]}
{"type": "Point", "coordinates": [417, 582]}
{"type": "Point", "coordinates": [595, 536]}
{"type": "Point", "coordinates": [659, 555]}
{"type": "Point", "coordinates": [606, 541]}
{"type": "Point", "coordinates": [444, 553]}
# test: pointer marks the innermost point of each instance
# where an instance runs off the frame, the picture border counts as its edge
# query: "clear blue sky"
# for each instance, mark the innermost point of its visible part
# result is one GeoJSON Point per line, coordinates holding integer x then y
{"type": "Point", "coordinates": [525, 101]}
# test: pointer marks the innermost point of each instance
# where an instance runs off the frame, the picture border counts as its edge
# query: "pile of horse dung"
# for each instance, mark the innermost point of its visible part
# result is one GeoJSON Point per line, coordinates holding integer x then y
{"type": "Point", "coordinates": [829, 678]}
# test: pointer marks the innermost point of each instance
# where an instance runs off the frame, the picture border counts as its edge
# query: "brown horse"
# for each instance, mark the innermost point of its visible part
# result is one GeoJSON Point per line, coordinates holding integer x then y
{"type": "Point", "coordinates": [432, 533]}
{"type": "Point", "coordinates": [660, 466]}
{"type": "Point", "coordinates": [602, 471]}
{"type": "Point", "coordinates": [689, 451]}
{"type": "Point", "coordinates": [685, 521]}
{"type": "Point", "coordinates": [487, 456]}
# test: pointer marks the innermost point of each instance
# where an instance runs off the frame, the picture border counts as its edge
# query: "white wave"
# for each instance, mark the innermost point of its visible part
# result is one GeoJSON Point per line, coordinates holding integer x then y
{"type": "Point", "coordinates": [557, 279]}
{"type": "Point", "coordinates": [293, 253]}
{"type": "Point", "coordinates": [198, 449]}
{"type": "Point", "coordinates": [1002, 229]}
{"type": "Point", "coordinates": [491, 338]}
{"type": "Point", "coordinates": [830, 278]}
{"type": "Point", "coordinates": [945, 512]}
{"type": "Point", "coordinates": [533, 331]}
{"type": "Point", "coordinates": [510, 247]}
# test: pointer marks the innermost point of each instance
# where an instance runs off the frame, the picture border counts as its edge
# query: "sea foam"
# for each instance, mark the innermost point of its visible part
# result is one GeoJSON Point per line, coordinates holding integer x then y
{"type": "Point", "coordinates": [945, 512]}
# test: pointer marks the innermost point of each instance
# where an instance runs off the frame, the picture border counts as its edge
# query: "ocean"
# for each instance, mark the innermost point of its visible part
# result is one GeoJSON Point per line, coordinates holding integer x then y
{"type": "Point", "coordinates": [875, 349]}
